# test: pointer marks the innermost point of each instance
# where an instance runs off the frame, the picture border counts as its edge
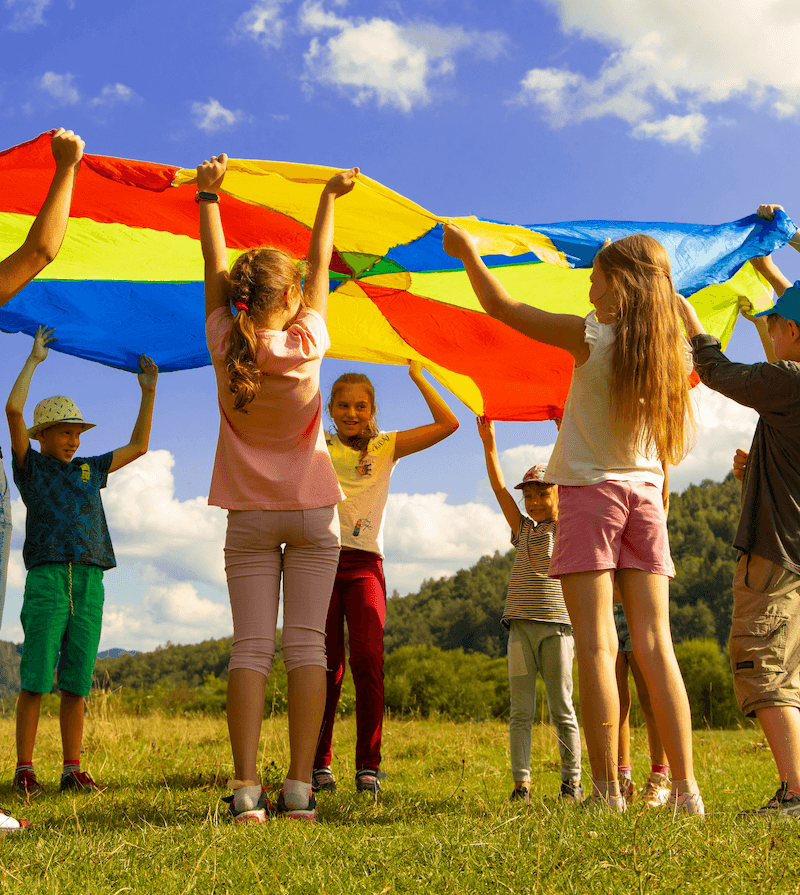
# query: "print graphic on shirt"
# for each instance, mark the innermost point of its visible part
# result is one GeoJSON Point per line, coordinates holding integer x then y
{"type": "Point", "coordinates": [361, 523]}
{"type": "Point", "coordinates": [364, 468]}
{"type": "Point", "coordinates": [86, 472]}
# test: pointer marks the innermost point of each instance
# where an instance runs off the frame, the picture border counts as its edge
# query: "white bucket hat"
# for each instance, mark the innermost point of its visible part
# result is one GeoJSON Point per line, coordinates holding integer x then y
{"type": "Point", "coordinates": [55, 410]}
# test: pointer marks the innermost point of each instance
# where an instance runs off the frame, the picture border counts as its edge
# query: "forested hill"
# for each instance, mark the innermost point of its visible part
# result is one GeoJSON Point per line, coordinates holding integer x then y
{"type": "Point", "coordinates": [464, 610]}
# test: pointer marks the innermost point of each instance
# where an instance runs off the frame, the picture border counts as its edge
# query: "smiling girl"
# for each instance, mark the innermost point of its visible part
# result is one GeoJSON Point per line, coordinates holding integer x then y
{"type": "Point", "coordinates": [364, 459]}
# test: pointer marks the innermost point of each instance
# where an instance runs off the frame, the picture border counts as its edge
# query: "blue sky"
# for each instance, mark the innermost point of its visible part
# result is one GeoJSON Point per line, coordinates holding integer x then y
{"type": "Point", "coordinates": [529, 111]}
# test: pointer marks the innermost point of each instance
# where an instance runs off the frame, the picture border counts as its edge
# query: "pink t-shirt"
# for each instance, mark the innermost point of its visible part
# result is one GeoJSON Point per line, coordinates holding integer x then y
{"type": "Point", "coordinates": [274, 456]}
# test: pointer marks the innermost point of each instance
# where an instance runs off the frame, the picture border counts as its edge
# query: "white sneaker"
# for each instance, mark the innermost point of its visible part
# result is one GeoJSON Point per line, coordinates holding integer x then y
{"type": "Point", "coordinates": [688, 802]}
{"type": "Point", "coordinates": [9, 825]}
{"type": "Point", "coordinates": [656, 791]}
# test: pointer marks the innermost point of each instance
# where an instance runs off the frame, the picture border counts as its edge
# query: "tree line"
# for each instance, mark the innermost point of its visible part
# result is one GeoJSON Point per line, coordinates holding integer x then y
{"type": "Point", "coordinates": [462, 612]}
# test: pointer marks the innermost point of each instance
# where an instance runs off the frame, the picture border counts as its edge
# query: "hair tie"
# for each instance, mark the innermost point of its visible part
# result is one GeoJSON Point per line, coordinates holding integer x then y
{"type": "Point", "coordinates": [240, 306]}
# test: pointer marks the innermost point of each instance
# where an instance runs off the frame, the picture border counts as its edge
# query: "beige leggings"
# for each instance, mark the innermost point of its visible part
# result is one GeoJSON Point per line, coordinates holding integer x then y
{"type": "Point", "coordinates": [260, 547]}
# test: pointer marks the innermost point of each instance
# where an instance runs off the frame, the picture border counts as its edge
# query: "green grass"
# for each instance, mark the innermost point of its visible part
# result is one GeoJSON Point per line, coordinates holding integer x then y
{"type": "Point", "coordinates": [442, 824]}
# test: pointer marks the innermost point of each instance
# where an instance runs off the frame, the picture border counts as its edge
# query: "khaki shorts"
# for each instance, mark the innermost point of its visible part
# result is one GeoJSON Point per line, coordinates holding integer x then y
{"type": "Point", "coordinates": [765, 635]}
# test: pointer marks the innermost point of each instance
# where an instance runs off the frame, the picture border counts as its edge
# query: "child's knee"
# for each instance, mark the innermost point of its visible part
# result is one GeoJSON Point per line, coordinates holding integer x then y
{"type": "Point", "coordinates": [253, 654]}
{"type": "Point", "coordinates": [303, 646]}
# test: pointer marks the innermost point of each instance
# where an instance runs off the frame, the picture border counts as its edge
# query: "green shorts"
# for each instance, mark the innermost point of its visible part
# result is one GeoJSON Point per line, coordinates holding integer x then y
{"type": "Point", "coordinates": [62, 612]}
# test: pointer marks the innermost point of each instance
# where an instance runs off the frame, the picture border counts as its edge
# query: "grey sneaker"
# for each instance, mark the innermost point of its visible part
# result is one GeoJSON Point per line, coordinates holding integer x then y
{"type": "Point", "coordinates": [627, 789]}
{"type": "Point", "coordinates": [322, 780]}
{"type": "Point", "coordinates": [521, 793]}
{"type": "Point", "coordinates": [571, 791]}
{"type": "Point", "coordinates": [782, 804]}
{"type": "Point", "coordinates": [25, 784]}
{"type": "Point", "coordinates": [369, 780]}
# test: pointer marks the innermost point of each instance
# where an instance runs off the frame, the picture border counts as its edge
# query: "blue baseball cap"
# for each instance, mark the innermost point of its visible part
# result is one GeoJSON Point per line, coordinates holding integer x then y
{"type": "Point", "coordinates": [787, 306]}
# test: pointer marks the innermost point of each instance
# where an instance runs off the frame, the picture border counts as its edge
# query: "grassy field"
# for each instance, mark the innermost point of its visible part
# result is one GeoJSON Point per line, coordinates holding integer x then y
{"type": "Point", "coordinates": [442, 824]}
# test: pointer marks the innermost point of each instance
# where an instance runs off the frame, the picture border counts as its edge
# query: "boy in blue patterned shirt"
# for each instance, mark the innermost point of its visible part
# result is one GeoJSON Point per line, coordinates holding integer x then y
{"type": "Point", "coordinates": [67, 548]}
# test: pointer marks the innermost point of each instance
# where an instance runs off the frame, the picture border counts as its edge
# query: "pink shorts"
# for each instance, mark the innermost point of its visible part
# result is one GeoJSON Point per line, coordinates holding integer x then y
{"type": "Point", "coordinates": [611, 525]}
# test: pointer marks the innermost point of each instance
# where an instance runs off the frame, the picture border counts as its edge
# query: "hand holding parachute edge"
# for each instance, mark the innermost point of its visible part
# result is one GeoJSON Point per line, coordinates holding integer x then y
{"type": "Point", "coordinates": [211, 173]}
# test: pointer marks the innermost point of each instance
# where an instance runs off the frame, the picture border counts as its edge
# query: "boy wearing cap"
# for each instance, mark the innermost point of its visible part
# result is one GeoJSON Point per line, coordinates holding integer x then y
{"type": "Point", "coordinates": [765, 635]}
{"type": "Point", "coordinates": [67, 548]}
{"type": "Point", "coordinates": [539, 629]}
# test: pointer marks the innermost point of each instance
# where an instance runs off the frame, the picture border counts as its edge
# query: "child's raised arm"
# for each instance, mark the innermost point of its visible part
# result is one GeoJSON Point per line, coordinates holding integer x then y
{"type": "Point", "coordinates": [320, 249]}
{"type": "Point", "coordinates": [507, 503]}
{"type": "Point", "coordinates": [444, 422]}
{"type": "Point", "coordinates": [15, 405]}
{"type": "Point", "coordinates": [140, 438]}
{"type": "Point", "coordinates": [747, 311]}
{"type": "Point", "coordinates": [47, 231]}
{"type": "Point", "coordinates": [212, 237]}
{"type": "Point", "coordinates": [560, 330]}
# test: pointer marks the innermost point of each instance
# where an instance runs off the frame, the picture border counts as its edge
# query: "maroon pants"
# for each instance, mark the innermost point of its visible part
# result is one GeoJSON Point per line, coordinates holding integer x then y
{"type": "Point", "coordinates": [359, 595]}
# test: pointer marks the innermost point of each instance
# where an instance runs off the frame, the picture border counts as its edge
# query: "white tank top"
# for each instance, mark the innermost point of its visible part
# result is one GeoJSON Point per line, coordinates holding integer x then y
{"type": "Point", "coordinates": [592, 446]}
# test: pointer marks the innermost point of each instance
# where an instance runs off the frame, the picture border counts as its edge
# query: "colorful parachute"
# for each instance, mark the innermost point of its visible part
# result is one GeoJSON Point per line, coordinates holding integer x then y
{"type": "Point", "coordinates": [128, 279]}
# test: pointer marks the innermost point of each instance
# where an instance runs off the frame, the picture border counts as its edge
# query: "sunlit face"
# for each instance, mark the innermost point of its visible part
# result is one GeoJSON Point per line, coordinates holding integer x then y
{"type": "Point", "coordinates": [539, 501]}
{"type": "Point", "coordinates": [783, 335]}
{"type": "Point", "coordinates": [602, 296]}
{"type": "Point", "coordinates": [351, 411]}
{"type": "Point", "coordinates": [60, 442]}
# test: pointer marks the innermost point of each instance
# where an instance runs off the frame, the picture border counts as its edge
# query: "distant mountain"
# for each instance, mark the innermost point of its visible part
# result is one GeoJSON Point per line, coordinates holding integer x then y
{"type": "Point", "coordinates": [115, 652]}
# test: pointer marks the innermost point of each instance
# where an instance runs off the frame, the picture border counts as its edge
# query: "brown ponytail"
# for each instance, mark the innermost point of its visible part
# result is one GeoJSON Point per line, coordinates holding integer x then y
{"type": "Point", "coordinates": [258, 282]}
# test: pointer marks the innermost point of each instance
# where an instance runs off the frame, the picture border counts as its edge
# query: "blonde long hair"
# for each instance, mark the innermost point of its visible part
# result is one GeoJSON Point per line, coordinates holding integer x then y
{"type": "Point", "coordinates": [258, 282]}
{"type": "Point", "coordinates": [649, 383]}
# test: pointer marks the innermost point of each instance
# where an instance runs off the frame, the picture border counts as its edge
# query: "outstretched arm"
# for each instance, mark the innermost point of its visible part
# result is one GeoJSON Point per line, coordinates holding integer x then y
{"type": "Point", "coordinates": [560, 330]}
{"type": "Point", "coordinates": [47, 231]}
{"type": "Point", "coordinates": [15, 405]}
{"type": "Point", "coordinates": [507, 503]}
{"type": "Point", "coordinates": [746, 310]}
{"type": "Point", "coordinates": [444, 420]}
{"type": "Point", "coordinates": [140, 438]}
{"type": "Point", "coordinates": [212, 237]}
{"type": "Point", "coordinates": [320, 248]}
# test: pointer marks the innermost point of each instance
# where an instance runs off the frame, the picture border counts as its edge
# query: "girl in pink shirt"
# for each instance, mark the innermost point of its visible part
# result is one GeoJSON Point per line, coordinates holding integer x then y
{"type": "Point", "coordinates": [273, 474]}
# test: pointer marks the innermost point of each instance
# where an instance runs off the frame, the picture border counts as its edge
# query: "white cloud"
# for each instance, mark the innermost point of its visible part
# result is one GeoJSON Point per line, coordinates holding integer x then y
{"type": "Point", "coordinates": [182, 540]}
{"type": "Point", "coordinates": [675, 129]}
{"type": "Point", "coordinates": [670, 60]}
{"type": "Point", "coordinates": [169, 612]}
{"type": "Point", "coordinates": [383, 61]}
{"type": "Point", "coordinates": [112, 94]}
{"type": "Point", "coordinates": [213, 116]}
{"type": "Point", "coordinates": [425, 537]}
{"type": "Point", "coordinates": [722, 426]}
{"type": "Point", "coordinates": [27, 13]}
{"type": "Point", "coordinates": [263, 22]}
{"type": "Point", "coordinates": [60, 88]}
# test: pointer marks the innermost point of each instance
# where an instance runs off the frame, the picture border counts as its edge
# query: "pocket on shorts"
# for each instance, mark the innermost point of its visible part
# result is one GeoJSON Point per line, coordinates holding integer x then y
{"type": "Point", "coordinates": [758, 646]}
{"type": "Point", "coordinates": [321, 527]}
{"type": "Point", "coordinates": [516, 659]}
{"type": "Point", "coordinates": [764, 576]}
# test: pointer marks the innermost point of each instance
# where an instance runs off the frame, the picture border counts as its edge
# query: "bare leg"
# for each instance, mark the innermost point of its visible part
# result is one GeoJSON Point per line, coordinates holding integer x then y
{"type": "Point", "coordinates": [657, 753]}
{"type": "Point", "coordinates": [71, 718]}
{"type": "Point", "coordinates": [245, 711]}
{"type": "Point", "coordinates": [645, 598]}
{"type": "Point", "coordinates": [307, 694]}
{"type": "Point", "coordinates": [589, 597]}
{"type": "Point", "coordinates": [28, 706]}
{"type": "Point", "coordinates": [624, 691]}
{"type": "Point", "coordinates": [781, 726]}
